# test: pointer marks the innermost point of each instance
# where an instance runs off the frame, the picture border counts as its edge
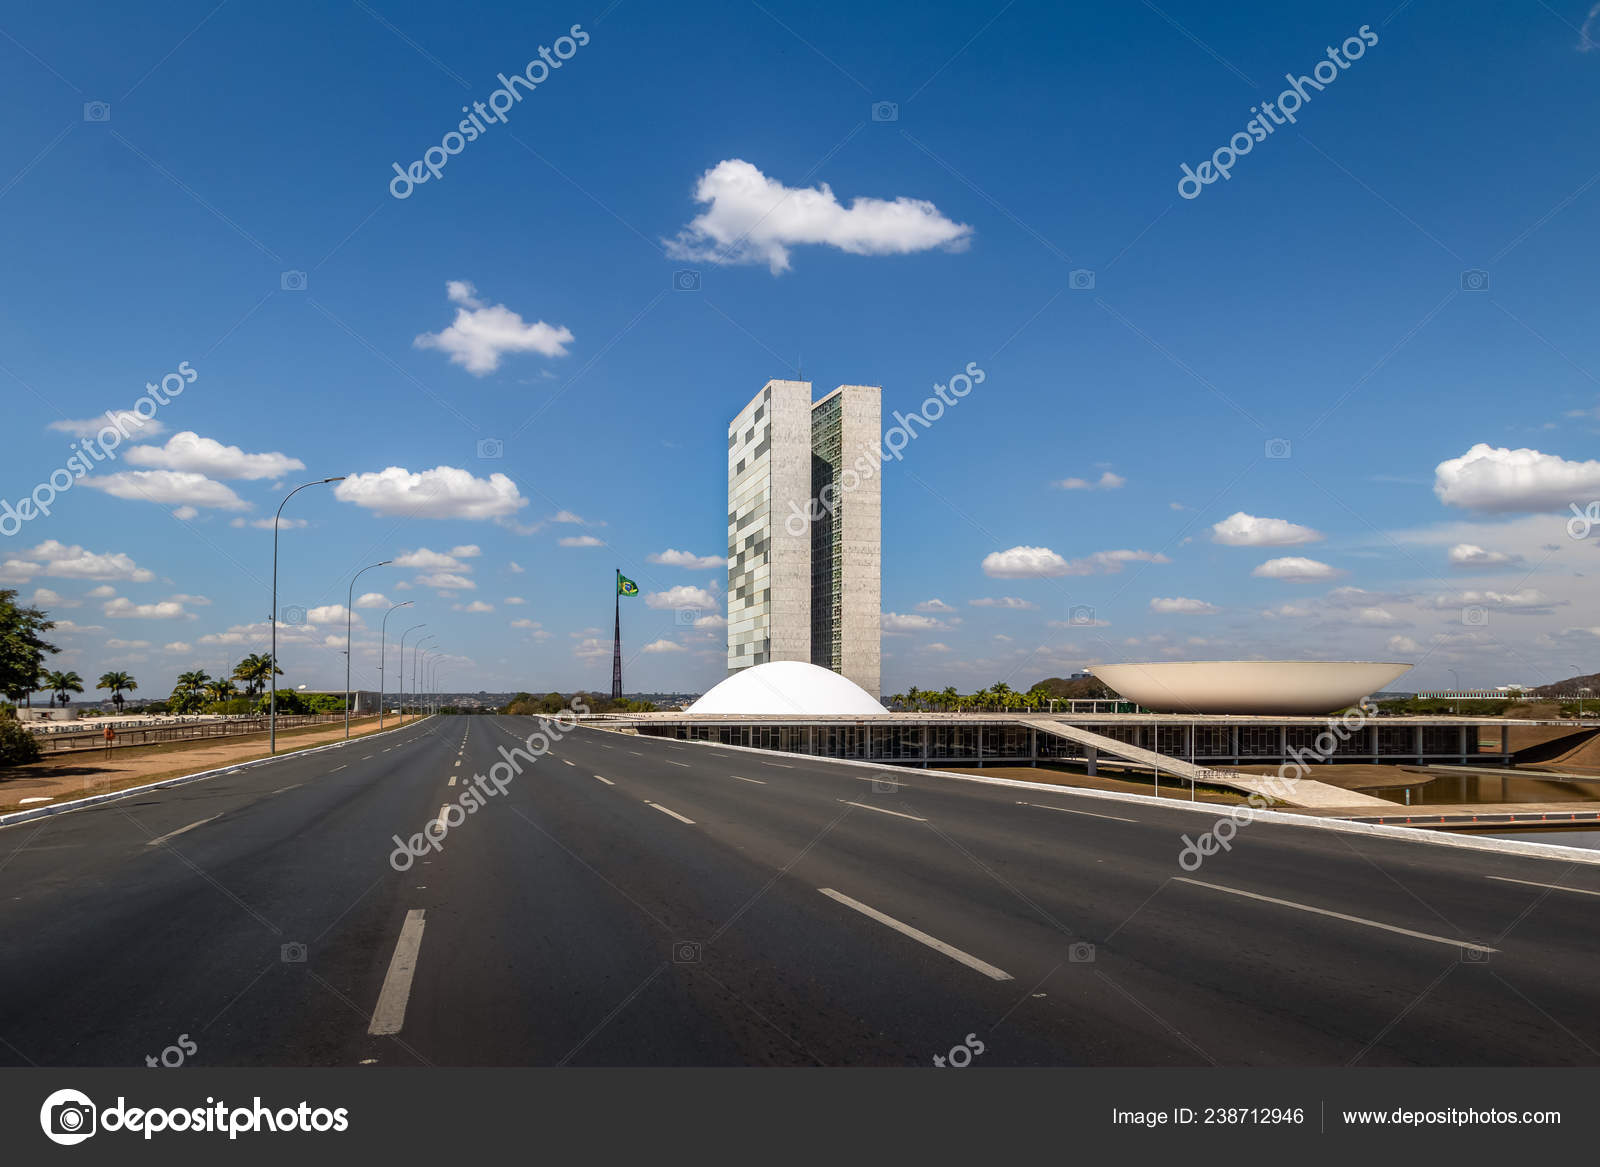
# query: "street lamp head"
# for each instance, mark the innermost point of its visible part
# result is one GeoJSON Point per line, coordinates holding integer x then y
{"type": "Point", "coordinates": [336, 478]}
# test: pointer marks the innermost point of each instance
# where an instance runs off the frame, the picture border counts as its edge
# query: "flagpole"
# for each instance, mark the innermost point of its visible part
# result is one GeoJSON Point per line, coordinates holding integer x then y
{"type": "Point", "coordinates": [616, 642]}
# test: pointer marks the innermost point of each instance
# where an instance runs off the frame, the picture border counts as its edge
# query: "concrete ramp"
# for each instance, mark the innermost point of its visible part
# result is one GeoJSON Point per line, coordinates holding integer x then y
{"type": "Point", "coordinates": [1303, 792]}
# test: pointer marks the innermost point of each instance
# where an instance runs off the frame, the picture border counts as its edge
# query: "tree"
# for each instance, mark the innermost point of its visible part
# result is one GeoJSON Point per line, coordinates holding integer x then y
{"type": "Point", "coordinates": [193, 682]}
{"type": "Point", "coordinates": [182, 701]}
{"type": "Point", "coordinates": [116, 682]}
{"type": "Point", "coordinates": [221, 689]}
{"type": "Point", "coordinates": [62, 686]}
{"type": "Point", "coordinates": [256, 672]}
{"type": "Point", "coordinates": [22, 647]}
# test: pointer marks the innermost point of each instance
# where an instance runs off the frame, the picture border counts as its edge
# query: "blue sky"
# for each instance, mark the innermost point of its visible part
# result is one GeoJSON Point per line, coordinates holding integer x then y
{"type": "Point", "coordinates": [1438, 427]}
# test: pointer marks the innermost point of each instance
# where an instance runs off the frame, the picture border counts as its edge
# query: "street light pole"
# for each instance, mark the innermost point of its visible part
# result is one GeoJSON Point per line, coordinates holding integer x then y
{"type": "Point", "coordinates": [383, 634]}
{"type": "Point", "coordinates": [348, 616]}
{"type": "Point", "coordinates": [414, 648]}
{"type": "Point", "coordinates": [403, 636]}
{"type": "Point", "coordinates": [272, 673]}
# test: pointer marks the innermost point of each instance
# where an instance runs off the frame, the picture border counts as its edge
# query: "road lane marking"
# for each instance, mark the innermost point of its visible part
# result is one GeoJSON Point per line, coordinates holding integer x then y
{"type": "Point", "coordinates": [390, 1013]}
{"type": "Point", "coordinates": [636, 753]}
{"type": "Point", "coordinates": [281, 789]}
{"type": "Point", "coordinates": [1339, 916]}
{"type": "Point", "coordinates": [452, 781]}
{"type": "Point", "coordinates": [779, 765]}
{"type": "Point", "coordinates": [757, 781]}
{"type": "Point", "coordinates": [603, 746]}
{"type": "Point", "coordinates": [159, 839]}
{"type": "Point", "coordinates": [880, 810]}
{"type": "Point", "coordinates": [670, 762]}
{"type": "Point", "coordinates": [442, 825]}
{"type": "Point", "coordinates": [569, 763]}
{"type": "Point", "coordinates": [921, 937]}
{"type": "Point", "coordinates": [673, 813]}
{"type": "Point", "coordinates": [458, 761]}
{"type": "Point", "coordinates": [366, 757]}
{"type": "Point", "coordinates": [1551, 886]}
{"type": "Point", "coordinates": [336, 769]}
{"type": "Point", "coordinates": [607, 781]}
{"type": "Point", "coordinates": [1069, 810]}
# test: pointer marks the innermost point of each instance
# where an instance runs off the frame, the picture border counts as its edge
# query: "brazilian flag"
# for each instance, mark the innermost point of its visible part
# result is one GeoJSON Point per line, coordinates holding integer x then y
{"type": "Point", "coordinates": [625, 586]}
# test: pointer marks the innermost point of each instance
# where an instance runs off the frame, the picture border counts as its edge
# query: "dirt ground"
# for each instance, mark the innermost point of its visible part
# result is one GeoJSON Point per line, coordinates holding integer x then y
{"type": "Point", "coordinates": [78, 775]}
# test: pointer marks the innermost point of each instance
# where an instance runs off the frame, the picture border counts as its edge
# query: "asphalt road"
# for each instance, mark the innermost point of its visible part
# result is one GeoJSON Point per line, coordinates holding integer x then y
{"type": "Point", "coordinates": [633, 901]}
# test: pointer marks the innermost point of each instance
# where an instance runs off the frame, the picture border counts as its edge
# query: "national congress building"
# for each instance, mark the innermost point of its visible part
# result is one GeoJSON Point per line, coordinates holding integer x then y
{"type": "Point", "coordinates": [804, 529]}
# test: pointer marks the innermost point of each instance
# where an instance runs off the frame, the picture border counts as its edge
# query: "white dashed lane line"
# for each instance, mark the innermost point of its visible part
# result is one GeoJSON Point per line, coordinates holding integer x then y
{"type": "Point", "coordinates": [897, 814]}
{"type": "Point", "coordinates": [607, 781]}
{"type": "Point", "coordinates": [159, 839]}
{"type": "Point", "coordinates": [755, 781]}
{"type": "Point", "coordinates": [673, 813]}
{"type": "Point", "coordinates": [921, 937]}
{"type": "Point", "coordinates": [390, 1014]}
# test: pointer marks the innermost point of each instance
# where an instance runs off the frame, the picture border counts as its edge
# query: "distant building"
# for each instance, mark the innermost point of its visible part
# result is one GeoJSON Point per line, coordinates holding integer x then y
{"type": "Point", "coordinates": [804, 530]}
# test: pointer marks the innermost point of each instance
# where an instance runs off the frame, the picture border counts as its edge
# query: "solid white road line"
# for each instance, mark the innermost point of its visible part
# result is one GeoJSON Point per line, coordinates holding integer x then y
{"type": "Point", "coordinates": [1339, 916]}
{"type": "Point", "coordinates": [880, 810]}
{"type": "Point", "coordinates": [673, 813]}
{"type": "Point", "coordinates": [919, 936]}
{"type": "Point", "coordinates": [779, 765]}
{"type": "Point", "coordinates": [757, 781]}
{"type": "Point", "coordinates": [670, 762]}
{"type": "Point", "coordinates": [390, 1013]}
{"type": "Point", "coordinates": [607, 781]}
{"type": "Point", "coordinates": [1551, 886]}
{"type": "Point", "coordinates": [159, 839]}
{"type": "Point", "coordinates": [1069, 810]}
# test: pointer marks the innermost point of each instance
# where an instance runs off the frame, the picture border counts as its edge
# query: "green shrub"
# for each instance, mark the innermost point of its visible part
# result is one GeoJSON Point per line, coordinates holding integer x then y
{"type": "Point", "coordinates": [17, 745]}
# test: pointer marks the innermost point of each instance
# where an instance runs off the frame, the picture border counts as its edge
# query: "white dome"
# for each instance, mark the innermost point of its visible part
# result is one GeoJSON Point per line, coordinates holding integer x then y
{"type": "Point", "coordinates": [788, 688]}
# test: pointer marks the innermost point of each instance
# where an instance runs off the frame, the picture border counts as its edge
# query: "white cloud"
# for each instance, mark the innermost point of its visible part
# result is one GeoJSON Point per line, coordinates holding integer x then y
{"type": "Point", "coordinates": [524, 622]}
{"type": "Point", "coordinates": [122, 608]}
{"type": "Point", "coordinates": [445, 492]}
{"type": "Point", "coordinates": [515, 568]}
{"type": "Point", "coordinates": [671, 558]}
{"type": "Point", "coordinates": [936, 646]}
{"type": "Point", "coordinates": [682, 596]}
{"type": "Point", "coordinates": [1242, 530]}
{"type": "Point", "coordinates": [512, 600]}
{"type": "Point", "coordinates": [481, 334]}
{"type": "Point", "coordinates": [115, 642]}
{"type": "Point", "coordinates": [896, 623]}
{"type": "Point", "coordinates": [474, 607]}
{"type": "Point", "coordinates": [1182, 606]}
{"type": "Point", "coordinates": [447, 581]}
{"type": "Point", "coordinates": [45, 598]}
{"type": "Point", "coordinates": [1524, 601]}
{"type": "Point", "coordinates": [188, 451]}
{"type": "Point", "coordinates": [1041, 563]}
{"type": "Point", "coordinates": [580, 541]}
{"type": "Point", "coordinates": [1295, 569]}
{"type": "Point", "coordinates": [425, 559]}
{"type": "Point", "coordinates": [1011, 602]}
{"type": "Point", "coordinates": [105, 591]}
{"type": "Point", "coordinates": [934, 605]}
{"type": "Point", "coordinates": [466, 551]}
{"type": "Point", "coordinates": [1493, 478]}
{"type": "Point", "coordinates": [1471, 555]}
{"type": "Point", "coordinates": [329, 614]}
{"type": "Point", "coordinates": [591, 648]}
{"type": "Point", "coordinates": [125, 418]}
{"type": "Point", "coordinates": [657, 646]}
{"type": "Point", "coordinates": [53, 558]}
{"type": "Point", "coordinates": [714, 620]}
{"type": "Point", "coordinates": [186, 513]}
{"type": "Point", "coordinates": [1402, 644]}
{"type": "Point", "coordinates": [266, 524]}
{"type": "Point", "coordinates": [568, 517]}
{"type": "Point", "coordinates": [1589, 31]}
{"type": "Point", "coordinates": [178, 646]}
{"type": "Point", "coordinates": [1106, 481]}
{"type": "Point", "coordinates": [755, 219]}
{"type": "Point", "coordinates": [373, 600]}
{"type": "Point", "coordinates": [168, 487]}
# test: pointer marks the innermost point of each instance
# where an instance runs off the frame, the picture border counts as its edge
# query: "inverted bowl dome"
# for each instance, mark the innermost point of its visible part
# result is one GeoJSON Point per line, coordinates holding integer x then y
{"type": "Point", "coordinates": [1249, 686]}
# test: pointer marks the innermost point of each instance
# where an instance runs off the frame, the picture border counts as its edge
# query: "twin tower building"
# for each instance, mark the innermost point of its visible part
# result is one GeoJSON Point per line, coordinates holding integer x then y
{"type": "Point", "coordinates": [805, 530]}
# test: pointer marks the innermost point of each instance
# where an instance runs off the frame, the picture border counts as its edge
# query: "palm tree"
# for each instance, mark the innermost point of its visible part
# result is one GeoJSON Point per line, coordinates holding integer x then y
{"type": "Point", "coordinates": [193, 681]}
{"type": "Point", "coordinates": [117, 682]}
{"type": "Point", "coordinates": [62, 686]}
{"type": "Point", "coordinates": [255, 671]}
{"type": "Point", "coordinates": [949, 697]}
{"type": "Point", "coordinates": [221, 689]}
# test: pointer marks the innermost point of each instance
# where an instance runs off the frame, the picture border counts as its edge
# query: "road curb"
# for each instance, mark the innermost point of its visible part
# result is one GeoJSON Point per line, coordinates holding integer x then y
{"type": "Point", "coordinates": [1215, 811]}
{"type": "Point", "coordinates": [22, 816]}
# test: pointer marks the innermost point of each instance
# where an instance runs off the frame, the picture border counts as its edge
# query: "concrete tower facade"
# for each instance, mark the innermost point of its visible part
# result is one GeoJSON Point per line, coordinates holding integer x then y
{"type": "Point", "coordinates": [804, 530]}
